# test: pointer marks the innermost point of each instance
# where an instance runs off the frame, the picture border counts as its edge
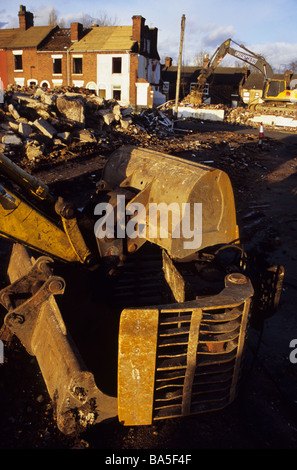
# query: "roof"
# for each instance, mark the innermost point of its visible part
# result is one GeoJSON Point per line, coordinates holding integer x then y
{"type": "Point", "coordinates": [254, 81]}
{"type": "Point", "coordinates": [59, 40]}
{"type": "Point", "coordinates": [106, 38]}
{"type": "Point", "coordinates": [20, 39]}
{"type": "Point", "coordinates": [191, 73]}
{"type": "Point", "coordinates": [7, 36]}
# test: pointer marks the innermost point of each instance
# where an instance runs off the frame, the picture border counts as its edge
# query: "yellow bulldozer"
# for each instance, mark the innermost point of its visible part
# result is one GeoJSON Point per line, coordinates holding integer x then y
{"type": "Point", "coordinates": [172, 296]}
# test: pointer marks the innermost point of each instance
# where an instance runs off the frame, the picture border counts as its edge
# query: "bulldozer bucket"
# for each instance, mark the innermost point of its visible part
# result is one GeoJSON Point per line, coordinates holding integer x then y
{"type": "Point", "coordinates": [34, 317]}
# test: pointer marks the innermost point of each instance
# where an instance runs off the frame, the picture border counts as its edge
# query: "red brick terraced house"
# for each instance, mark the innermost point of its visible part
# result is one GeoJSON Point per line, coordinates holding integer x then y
{"type": "Point", "coordinates": [117, 62]}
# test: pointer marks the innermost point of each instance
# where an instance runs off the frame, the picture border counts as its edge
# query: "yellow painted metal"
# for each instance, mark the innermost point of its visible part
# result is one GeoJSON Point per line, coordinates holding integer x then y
{"type": "Point", "coordinates": [137, 357]}
{"type": "Point", "coordinates": [21, 222]}
{"type": "Point", "coordinates": [176, 347]}
{"type": "Point", "coordinates": [171, 181]}
{"type": "Point", "coordinates": [77, 401]}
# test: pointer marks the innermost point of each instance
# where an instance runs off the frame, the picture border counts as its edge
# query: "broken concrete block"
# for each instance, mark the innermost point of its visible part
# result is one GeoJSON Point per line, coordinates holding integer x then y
{"type": "Point", "coordinates": [13, 112]}
{"type": "Point", "coordinates": [126, 111]}
{"type": "Point", "coordinates": [24, 129]}
{"type": "Point", "coordinates": [13, 125]}
{"type": "Point", "coordinates": [98, 100]}
{"type": "Point", "coordinates": [85, 135]}
{"type": "Point", "coordinates": [64, 136]}
{"type": "Point", "coordinates": [34, 152]}
{"type": "Point", "coordinates": [44, 127]}
{"type": "Point", "coordinates": [43, 113]}
{"type": "Point", "coordinates": [70, 108]}
{"type": "Point", "coordinates": [47, 99]}
{"type": "Point", "coordinates": [107, 115]}
{"type": "Point", "coordinates": [117, 112]}
{"type": "Point", "coordinates": [11, 139]}
{"type": "Point", "coordinates": [125, 122]}
{"type": "Point", "coordinates": [38, 93]}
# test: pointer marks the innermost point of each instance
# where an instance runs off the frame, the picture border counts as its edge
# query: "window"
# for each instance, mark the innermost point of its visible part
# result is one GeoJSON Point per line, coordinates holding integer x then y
{"type": "Point", "coordinates": [77, 64]}
{"type": "Point", "coordinates": [206, 89]}
{"type": "Point", "coordinates": [193, 86]}
{"type": "Point", "coordinates": [116, 94]}
{"type": "Point", "coordinates": [116, 65]}
{"type": "Point", "coordinates": [165, 87]}
{"type": "Point", "coordinates": [57, 65]}
{"type": "Point", "coordinates": [18, 62]}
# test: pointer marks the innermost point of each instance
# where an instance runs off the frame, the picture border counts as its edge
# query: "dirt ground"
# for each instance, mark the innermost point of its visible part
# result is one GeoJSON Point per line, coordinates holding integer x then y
{"type": "Point", "coordinates": [264, 415]}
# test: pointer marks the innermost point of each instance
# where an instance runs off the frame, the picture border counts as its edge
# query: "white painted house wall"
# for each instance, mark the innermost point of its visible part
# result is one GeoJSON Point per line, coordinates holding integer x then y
{"type": "Point", "coordinates": [148, 69]}
{"type": "Point", "coordinates": [108, 80]}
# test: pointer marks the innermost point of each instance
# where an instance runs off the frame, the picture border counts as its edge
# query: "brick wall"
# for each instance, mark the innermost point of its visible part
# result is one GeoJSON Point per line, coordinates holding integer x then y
{"type": "Point", "coordinates": [133, 78]}
{"type": "Point", "coordinates": [3, 68]}
{"type": "Point", "coordinates": [89, 68]}
{"type": "Point", "coordinates": [30, 66]}
{"type": "Point", "coordinates": [39, 66]}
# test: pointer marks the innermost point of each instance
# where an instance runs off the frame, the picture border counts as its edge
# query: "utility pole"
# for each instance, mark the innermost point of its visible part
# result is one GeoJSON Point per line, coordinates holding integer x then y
{"type": "Point", "coordinates": [179, 63]}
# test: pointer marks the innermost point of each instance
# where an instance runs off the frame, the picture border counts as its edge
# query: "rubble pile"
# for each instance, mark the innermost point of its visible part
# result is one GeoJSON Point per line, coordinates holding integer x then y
{"type": "Point", "coordinates": [38, 126]}
{"type": "Point", "coordinates": [249, 117]}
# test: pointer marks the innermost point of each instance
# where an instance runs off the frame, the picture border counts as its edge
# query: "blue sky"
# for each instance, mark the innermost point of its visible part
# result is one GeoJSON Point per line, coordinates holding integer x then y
{"type": "Point", "coordinates": [266, 27]}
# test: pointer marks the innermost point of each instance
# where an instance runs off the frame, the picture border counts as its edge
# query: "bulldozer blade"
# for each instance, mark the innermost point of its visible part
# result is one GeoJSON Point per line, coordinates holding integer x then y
{"type": "Point", "coordinates": [34, 317]}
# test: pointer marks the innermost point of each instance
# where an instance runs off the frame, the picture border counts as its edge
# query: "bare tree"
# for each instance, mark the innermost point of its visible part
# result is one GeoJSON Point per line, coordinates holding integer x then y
{"type": "Point", "coordinates": [293, 66]}
{"type": "Point", "coordinates": [199, 57]}
{"type": "Point", "coordinates": [103, 19]}
{"type": "Point", "coordinates": [52, 17]}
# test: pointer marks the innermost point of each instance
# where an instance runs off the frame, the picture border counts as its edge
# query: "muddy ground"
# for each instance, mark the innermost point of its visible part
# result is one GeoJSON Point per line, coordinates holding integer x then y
{"type": "Point", "coordinates": [264, 415]}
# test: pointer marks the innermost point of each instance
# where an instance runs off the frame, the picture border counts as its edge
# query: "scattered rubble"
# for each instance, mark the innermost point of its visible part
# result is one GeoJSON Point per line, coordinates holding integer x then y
{"type": "Point", "coordinates": [41, 127]}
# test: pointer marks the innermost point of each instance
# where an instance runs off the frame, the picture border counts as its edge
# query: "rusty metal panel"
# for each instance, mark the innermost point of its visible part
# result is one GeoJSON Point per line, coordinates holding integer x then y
{"type": "Point", "coordinates": [199, 349]}
{"type": "Point", "coordinates": [161, 178]}
{"type": "Point", "coordinates": [36, 320]}
{"type": "Point", "coordinates": [137, 360]}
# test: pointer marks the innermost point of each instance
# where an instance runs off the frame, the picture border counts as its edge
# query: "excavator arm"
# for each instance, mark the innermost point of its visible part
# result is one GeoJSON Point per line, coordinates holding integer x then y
{"type": "Point", "coordinates": [225, 48]}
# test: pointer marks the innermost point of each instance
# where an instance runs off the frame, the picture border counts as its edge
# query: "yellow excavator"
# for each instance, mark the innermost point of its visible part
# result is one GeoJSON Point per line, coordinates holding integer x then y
{"type": "Point", "coordinates": [158, 329]}
{"type": "Point", "coordinates": [276, 92]}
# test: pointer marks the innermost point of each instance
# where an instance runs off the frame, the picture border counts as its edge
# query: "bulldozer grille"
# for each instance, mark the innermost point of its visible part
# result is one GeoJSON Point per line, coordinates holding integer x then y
{"type": "Point", "coordinates": [198, 375]}
{"type": "Point", "coordinates": [179, 361]}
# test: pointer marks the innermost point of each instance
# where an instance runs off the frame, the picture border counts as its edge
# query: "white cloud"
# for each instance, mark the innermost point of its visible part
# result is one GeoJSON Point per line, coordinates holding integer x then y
{"type": "Point", "coordinates": [278, 54]}
{"type": "Point", "coordinates": [216, 35]}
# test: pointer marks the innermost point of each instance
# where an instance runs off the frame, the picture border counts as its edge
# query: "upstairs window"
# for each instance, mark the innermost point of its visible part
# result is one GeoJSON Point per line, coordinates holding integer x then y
{"type": "Point", "coordinates": [116, 65]}
{"type": "Point", "coordinates": [77, 65]}
{"type": "Point", "coordinates": [18, 62]}
{"type": "Point", "coordinates": [57, 65]}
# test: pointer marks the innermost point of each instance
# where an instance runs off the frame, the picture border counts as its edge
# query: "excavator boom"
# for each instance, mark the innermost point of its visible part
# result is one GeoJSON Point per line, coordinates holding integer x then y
{"type": "Point", "coordinates": [273, 90]}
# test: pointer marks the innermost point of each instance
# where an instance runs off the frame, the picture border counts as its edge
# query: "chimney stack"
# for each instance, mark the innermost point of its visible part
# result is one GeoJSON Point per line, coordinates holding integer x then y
{"type": "Point", "coordinates": [26, 18]}
{"type": "Point", "coordinates": [76, 30]}
{"type": "Point", "coordinates": [138, 29]}
{"type": "Point", "coordinates": [168, 62]}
